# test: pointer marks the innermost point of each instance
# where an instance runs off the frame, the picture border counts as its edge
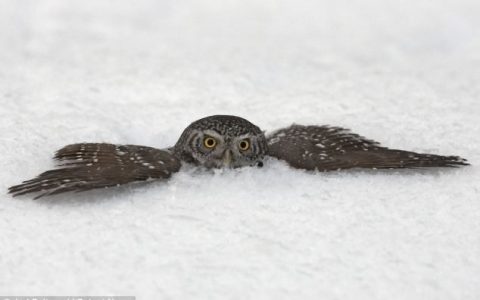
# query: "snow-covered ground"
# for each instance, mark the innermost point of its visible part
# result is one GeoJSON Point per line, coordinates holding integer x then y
{"type": "Point", "coordinates": [406, 73]}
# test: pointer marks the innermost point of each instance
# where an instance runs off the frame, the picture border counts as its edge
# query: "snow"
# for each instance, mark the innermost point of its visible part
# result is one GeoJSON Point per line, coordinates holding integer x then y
{"type": "Point", "coordinates": [405, 73]}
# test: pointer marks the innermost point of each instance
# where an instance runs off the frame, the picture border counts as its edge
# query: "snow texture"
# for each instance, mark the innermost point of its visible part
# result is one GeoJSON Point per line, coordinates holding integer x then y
{"type": "Point", "coordinates": [405, 73]}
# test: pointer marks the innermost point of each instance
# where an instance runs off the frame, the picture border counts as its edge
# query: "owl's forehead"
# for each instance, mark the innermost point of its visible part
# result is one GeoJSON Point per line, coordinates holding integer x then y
{"type": "Point", "coordinates": [230, 126]}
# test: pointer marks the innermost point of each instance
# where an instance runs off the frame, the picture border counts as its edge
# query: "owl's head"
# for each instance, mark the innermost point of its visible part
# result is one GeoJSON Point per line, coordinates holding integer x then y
{"type": "Point", "coordinates": [222, 142]}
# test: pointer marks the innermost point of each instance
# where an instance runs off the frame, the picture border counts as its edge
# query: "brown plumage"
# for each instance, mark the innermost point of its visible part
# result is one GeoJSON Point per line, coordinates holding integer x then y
{"type": "Point", "coordinates": [221, 142]}
{"type": "Point", "coordinates": [326, 148]}
{"type": "Point", "coordinates": [89, 166]}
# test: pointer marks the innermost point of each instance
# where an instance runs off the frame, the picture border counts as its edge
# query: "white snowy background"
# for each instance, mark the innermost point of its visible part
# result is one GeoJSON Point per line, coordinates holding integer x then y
{"type": "Point", "coordinates": [406, 73]}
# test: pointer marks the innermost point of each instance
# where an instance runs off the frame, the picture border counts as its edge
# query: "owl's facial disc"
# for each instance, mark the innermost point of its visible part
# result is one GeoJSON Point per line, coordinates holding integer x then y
{"type": "Point", "coordinates": [222, 142]}
{"type": "Point", "coordinates": [213, 150]}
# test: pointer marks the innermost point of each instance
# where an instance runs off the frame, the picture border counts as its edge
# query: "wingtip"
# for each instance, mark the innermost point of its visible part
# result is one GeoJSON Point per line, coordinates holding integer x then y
{"type": "Point", "coordinates": [11, 193]}
{"type": "Point", "coordinates": [14, 189]}
{"type": "Point", "coordinates": [20, 190]}
{"type": "Point", "coordinates": [461, 161]}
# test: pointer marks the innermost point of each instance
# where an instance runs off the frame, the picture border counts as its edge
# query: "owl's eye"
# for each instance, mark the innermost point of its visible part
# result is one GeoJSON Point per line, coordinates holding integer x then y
{"type": "Point", "coordinates": [209, 142]}
{"type": "Point", "coordinates": [244, 145]}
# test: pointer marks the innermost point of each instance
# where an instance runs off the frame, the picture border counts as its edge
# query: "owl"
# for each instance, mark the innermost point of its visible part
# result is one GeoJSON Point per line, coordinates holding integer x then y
{"type": "Point", "coordinates": [221, 141]}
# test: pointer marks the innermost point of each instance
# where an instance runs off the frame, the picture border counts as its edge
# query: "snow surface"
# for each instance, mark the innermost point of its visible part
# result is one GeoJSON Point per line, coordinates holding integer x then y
{"type": "Point", "coordinates": [406, 73]}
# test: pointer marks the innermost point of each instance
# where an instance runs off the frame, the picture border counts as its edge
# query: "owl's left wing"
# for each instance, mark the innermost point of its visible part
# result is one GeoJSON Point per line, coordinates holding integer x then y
{"type": "Point", "coordinates": [326, 148]}
{"type": "Point", "coordinates": [88, 166]}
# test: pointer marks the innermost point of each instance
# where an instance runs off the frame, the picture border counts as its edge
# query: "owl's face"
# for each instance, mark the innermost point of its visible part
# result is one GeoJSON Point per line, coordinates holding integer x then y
{"type": "Point", "coordinates": [222, 142]}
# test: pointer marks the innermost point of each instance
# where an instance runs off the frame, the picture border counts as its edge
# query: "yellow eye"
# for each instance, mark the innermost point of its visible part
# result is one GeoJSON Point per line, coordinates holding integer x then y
{"type": "Point", "coordinates": [209, 142]}
{"type": "Point", "coordinates": [244, 145]}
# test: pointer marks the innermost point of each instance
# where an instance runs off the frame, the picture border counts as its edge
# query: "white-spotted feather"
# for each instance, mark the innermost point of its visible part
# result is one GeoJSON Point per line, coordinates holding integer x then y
{"type": "Point", "coordinates": [97, 165]}
{"type": "Point", "coordinates": [326, 148]}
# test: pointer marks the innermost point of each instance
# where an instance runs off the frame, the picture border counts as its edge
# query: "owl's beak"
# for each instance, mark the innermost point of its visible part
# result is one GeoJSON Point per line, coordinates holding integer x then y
{"type": "Point", "coordinates": [227, 159]}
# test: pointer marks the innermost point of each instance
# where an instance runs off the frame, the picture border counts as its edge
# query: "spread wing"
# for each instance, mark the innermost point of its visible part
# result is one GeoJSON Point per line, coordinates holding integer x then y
{"type": "Point", "coordinates": [83, 167]}
{"type": "Point", "coordinates": [326, 148]}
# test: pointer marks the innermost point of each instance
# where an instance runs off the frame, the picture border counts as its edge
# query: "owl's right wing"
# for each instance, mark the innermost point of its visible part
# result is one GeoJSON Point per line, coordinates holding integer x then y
{"type": "Point", "coordinates": [326, 148]}
{"type": "Point", "coordinates": [88, 166]}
